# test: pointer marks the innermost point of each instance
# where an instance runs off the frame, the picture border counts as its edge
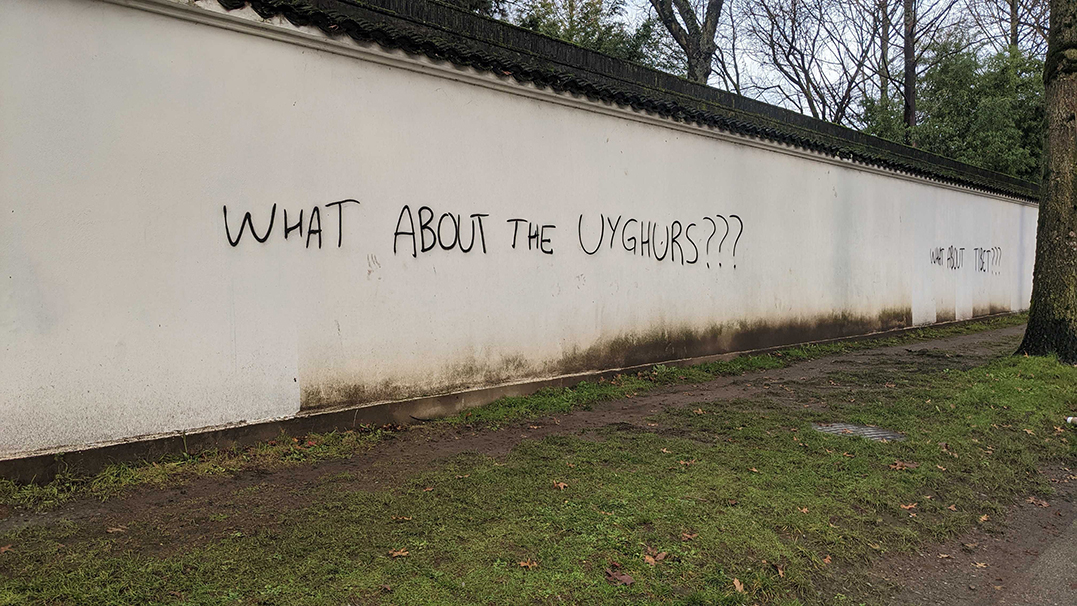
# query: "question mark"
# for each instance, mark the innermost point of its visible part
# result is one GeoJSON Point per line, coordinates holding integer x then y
{"type": "Point", "coordinates": [714, 231]}
{"type": "Point", "coordinates": [724, 236]}
{"type": "Point", "coordinates": [738, 237]}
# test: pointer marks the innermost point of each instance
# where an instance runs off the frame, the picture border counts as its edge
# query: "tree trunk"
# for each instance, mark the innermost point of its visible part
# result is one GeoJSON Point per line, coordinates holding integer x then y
{"type": "Point", "coordinates": [1052, 320]}
{"type": "Point", "coordinates": [884, 53]}
{"type": "Point", "coordinates": [1013, 23]}
{"type": "Point", "coordinates": [910, 70]}
{"type": "Point", "coordinates": [699, 65]}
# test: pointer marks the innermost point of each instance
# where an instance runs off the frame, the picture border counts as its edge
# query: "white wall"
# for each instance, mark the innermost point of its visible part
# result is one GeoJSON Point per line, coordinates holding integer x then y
{"type": "Point", "coordinates": [125, 311]}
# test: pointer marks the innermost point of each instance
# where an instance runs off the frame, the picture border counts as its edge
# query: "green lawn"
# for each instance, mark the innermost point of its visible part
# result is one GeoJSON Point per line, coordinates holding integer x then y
{"type": "Point", "coordinates": [733, 493]}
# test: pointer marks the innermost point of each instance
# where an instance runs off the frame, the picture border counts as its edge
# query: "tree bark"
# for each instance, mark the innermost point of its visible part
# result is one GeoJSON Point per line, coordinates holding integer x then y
{"type": "Point", "coordinates": [1052, 319]}
{"type": "Point", "coordinates": [1013, 23]}
{"type": "Point", "coordinates": [910, 70]}
{"type": "Point", "coordinates": [695, 37]}
{"type": "Point", "coordinates": [884, 53]}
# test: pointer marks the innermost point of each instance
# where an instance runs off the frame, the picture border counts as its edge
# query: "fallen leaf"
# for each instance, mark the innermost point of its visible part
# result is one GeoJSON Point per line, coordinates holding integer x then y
{"type": "Point", "coordinates": [560, 485]}
{"type": "Point", "coordinates": [943, 556]}
{"type": "Point", "coordinates": [115, 529]}
{"type": "Point", "coordinates": [997, 587]}
{"type": "Point", "coordinates": [652, 425]}
{"type": "Point", "coordinates": [952, 507]}
{"type": "Point", "coordinates": [900, 465]}
{"type": "Point", "coordinates": [428, 489]}
{"type": "Point", "coordinates": [398, 553]}
{"type": "Point", "coordinates": [980, 564]}
{"type": "Point", "coordinates": [754, 470]}
{"type": "Point", "coordinates": [665, 450]}
{"type": "Point", "coordinates": [983, 518]}
{"type": "Point", "coordinates": [7, 547]}
{"type": "Point", "coordinates": [699, 411]}
{"type": "Point", "coordinates": [618, 578]}
{"type": "Point", "coordinates": [661, 556]}
{"type": "Point", "coordinates": [649, 560]}
{"type": "Point", "coordinates": [941, 467]}
{"type": "Point", "coordinates": [845, 454]}
{"type": "Point", "coordinates": [466, 475]}
{"type": "Point", "coordinates": [826, 560]}
{"type": "Point", "coordinates": [738, 585]}
{"type": "Point", "coordinates": [386, 588]}
{"type": "Point", "coordinates": [1037, 502]}
{"type": "Point", "coordinates": [970, 545]}
{"type": "Point", "coordinates": [909, 506]}
{"type": "Point", "coordinates": [781, 571]}
{"type": "Point", "coordinates": [685, 536]}
{"type": "Point", "coordinates": [875, 546]}
{"type": "Point", "coordinates": [401, 518]}
{"type": "Point", "coordinates": [732, 502]}
{"type": "Point", "coordinates": [529, 564]}
{"type": "Point", "coordinates": [802, 509]}
{"type": "Point", "coordinates": [1058, 429]}
{"type": "Point", "coordinates": [533, 426]}
{"type": "Point", "coordinates": [1029, 432]}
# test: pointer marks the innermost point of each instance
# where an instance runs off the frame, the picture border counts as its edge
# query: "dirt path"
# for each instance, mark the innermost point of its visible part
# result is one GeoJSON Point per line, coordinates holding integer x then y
{"type": "Point", "coordinates": [1031, 562]}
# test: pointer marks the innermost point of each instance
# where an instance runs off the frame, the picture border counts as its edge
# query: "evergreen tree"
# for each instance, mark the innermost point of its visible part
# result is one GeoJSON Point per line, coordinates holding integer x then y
{"type": "Point", "coordinates": [594, 24]}
{"type": "Point", "coordinates": [986, 111]}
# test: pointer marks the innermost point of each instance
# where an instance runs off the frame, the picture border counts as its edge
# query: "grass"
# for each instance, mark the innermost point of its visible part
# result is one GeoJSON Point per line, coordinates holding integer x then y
{"type": "Point", "coordinates": [731, 490]}
{"type": "Point", "coordinates": [563, 400]}
{"type": "Point", "coordinates": [117, 479]}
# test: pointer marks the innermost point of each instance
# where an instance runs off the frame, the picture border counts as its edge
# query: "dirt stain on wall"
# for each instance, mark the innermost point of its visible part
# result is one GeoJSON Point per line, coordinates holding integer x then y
{"type": "Point", "coordinates": [649, 347]}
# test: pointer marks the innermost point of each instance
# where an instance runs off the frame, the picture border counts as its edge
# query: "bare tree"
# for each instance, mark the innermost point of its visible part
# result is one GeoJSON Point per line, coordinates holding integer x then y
{"type": "Point", "coordinates": [1011, 23]}
{"type": "Point", "coordinates": [885, 15]}
{"type": "Point", "coordinates": [1052, 320]}
{"type": "Point", "coordinates": [729, 52]}
{"type": "Point", "coordinates": [815, 54]}
{"type": "Point", "coordinates": [909, 40]}
{"type": "Point", "coordinates": [693, 26]}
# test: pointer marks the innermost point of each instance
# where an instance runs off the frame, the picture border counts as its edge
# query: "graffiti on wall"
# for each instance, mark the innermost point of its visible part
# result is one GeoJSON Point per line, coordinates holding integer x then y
{"type": "Point", "coordinates": [987, 260]}
{"type": "Point", "coordinates": [313, 225]}
{"type": "Point", "coordinates": [708, 240]}
{"type": "Point", "coordinates": [653, 240]}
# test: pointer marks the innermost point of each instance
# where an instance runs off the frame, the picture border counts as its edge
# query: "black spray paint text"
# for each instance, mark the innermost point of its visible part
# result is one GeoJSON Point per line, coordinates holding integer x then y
{"type": "Point", "coordinates": [446, 232]}
{"type": "Point", "coordinates": [313, 224]}
{"type": "Point", "coordinates": [985, 260]}
{"type": "Point", "coordinates": [686, 242]}
{"type": "Point", "coordinates": [538, 236]}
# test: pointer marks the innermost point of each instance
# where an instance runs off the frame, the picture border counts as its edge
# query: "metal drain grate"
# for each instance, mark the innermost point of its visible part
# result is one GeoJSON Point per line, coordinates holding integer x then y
{"type": "Point", "coordinates": [872, 433]}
